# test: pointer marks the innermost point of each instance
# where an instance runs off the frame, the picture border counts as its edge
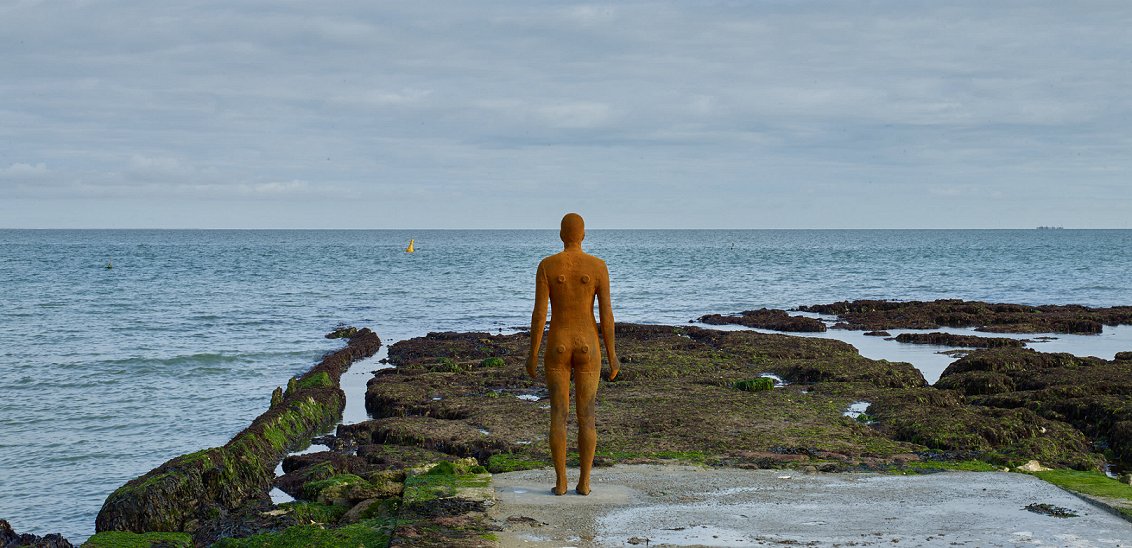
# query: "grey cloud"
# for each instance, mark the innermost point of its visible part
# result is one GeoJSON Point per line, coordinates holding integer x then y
{"type": "Point", "coordinates": [699, 114]}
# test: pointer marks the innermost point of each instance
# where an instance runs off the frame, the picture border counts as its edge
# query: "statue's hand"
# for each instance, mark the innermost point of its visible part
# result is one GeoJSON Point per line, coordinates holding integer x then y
{"type": "Point", "coordinates": [532, 366]}
{"type": "Point", "coordinates": [614, 368]}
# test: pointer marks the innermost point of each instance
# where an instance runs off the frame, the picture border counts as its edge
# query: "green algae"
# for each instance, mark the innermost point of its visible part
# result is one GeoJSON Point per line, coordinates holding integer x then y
{"type": "Point", "coordinates": [320, 379]}
{"type": "Point", "coordinates": [492, 362]}
{"type": "Point", "coordinates": [444, 480]}
{"type": "Point", "coordinates": [512, 462]}
{"type": "Point", "coordinates": [315, 512]}
{"type": "Point", "coordinates": [276, 397]}
{"type": "Point", "coordinates": [447, 364]}
{"type": "Point", "coordinates": [370, 533]}
{"type": "Point", "coordinates": [122, 539]}
{"type": "Point", "coordinates": [312, 489]}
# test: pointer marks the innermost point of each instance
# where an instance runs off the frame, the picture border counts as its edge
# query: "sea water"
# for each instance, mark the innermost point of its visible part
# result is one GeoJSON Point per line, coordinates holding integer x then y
{"type": "Point", "coordinates": [108, 372]}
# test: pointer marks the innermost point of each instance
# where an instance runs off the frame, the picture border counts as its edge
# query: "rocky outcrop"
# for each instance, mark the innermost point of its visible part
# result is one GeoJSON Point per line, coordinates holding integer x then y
{"type": "Point", "coordinates": [764, 318]}
{"type": "Point", "coordinates": [442, 396]}
{"type": "Point", "coordinates": [966, 341]}
{"type": "Point", "coordinates": [352, 502]}
{"type": "Point", "coordinates": [11, 539]}
{"type": "Point", "coordinates": [1092, 395]}
{"type": "Point", "coordinates": [191, 490]}
{"type": "Point", "coordinates": [871, 315]}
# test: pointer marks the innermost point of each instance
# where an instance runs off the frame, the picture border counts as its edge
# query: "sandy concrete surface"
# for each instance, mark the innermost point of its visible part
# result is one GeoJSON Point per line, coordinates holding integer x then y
{"type": "Point", "coordinates": [691, 506]}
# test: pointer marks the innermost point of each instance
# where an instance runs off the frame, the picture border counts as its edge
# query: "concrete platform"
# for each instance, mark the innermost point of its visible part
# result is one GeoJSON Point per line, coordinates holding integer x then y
{"type": "Point", "coordinates": [656, 505]}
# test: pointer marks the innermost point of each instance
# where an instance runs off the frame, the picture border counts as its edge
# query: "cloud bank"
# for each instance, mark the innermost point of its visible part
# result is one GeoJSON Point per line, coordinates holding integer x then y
{"type": "Point", "coordinates": [767, 114]}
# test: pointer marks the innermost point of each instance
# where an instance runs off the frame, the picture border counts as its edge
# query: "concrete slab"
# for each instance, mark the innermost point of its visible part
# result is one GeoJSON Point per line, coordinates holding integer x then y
{"type": "Point", "coordinates": [657, 505]}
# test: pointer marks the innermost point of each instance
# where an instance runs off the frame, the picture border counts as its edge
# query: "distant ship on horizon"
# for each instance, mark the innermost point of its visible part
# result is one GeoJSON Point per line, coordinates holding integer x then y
{"type": "Point", "coordinates": [1051, 228]}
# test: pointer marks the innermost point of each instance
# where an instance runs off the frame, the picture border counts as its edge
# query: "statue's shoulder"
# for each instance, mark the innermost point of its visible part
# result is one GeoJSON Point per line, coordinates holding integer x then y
{"type": "Point", "coordinates": [550, 262]}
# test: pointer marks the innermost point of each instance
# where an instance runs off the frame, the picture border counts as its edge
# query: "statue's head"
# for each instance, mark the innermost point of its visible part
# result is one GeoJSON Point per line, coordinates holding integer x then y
{"type": "Point", "coordinates": [573, 229]}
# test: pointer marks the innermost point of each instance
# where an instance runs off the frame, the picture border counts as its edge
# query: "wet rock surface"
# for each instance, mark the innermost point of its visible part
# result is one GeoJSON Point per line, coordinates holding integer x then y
{"type": "Point", "coordinates": [775, 320]}
{"type": "Point", "coordinates": [11, 539]}
{"type": "Point", "coordinates": [872, 315]}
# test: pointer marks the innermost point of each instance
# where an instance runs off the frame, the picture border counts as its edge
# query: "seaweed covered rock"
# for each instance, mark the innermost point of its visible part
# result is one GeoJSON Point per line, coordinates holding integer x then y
{"type": "Point", "coordinates": [300, 470]}
{"type": "Point", "coordinates": [465, 347]}
{"type": "Point", "coordinates": [941, 422]}
{"type": "Point", "coordinates": [344, 332]}
{"type": "Point", "coordinates": [187, 492]}
{"type": "Point", "coordinates": [445, 505]}
{"type": "Point", "coordinates": [871, 315]}
{"type": "Point", "coordinates": [498, 415]}
{"type": "Point", "coordinates": [1092, 395]}
{"type": "Point", "coordinates": [764, 318]}
{"type": "Point", "coordinates": [951, 339]}
{"type": "Point", "coordinates": [440, 503]}
{"type": "Point", "coordinates": [371, 531]}
{"type": "Point", "coordinates": [689, 372]}
{"type": "Point", "coordinates": [806, 360]}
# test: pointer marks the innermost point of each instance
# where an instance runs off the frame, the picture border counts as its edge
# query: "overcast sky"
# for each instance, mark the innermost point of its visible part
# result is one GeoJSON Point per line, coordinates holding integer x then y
{"type": "Point", "coordinates": [773, 114]}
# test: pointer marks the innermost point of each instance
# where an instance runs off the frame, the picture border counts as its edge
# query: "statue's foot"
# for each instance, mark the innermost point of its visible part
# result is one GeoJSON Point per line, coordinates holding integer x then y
{"type": "Point", "coordinates": [559, 490]}
{"type": "Point", "coordinates": [583, 489]}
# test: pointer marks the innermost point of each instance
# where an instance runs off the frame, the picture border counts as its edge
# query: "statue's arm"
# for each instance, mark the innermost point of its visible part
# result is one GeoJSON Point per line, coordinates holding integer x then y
{"type": "Point", "coordinates": [538, 319]}
{"type": "Point", "coordinates": [605, 311]}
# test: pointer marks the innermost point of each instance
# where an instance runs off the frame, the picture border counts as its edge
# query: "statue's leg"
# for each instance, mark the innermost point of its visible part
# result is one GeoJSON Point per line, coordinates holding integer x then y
{"type": "Point", "coordinates": [586, 377]}
{"type": "Point", "coordinates": [558, 382]}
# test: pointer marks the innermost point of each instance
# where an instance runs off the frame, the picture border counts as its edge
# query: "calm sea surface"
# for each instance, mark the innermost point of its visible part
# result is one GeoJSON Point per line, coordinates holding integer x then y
{"type": "Point", "coordinates": [108, 373]}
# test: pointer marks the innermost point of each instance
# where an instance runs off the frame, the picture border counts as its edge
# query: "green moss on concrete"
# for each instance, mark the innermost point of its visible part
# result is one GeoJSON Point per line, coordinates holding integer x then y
{"type": "Point", "coordinates": [924, 466]}
{"type": "Point", "coordinates": [371, 533]}
{"type": "Point", "coordinates": [1094, 484]}
{"type": "Point", "coordinates": [122, 539]}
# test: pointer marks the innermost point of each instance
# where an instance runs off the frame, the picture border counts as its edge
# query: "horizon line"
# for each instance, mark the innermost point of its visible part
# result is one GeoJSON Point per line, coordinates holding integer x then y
{"type": "Point", "coordinates": [1042, 228]}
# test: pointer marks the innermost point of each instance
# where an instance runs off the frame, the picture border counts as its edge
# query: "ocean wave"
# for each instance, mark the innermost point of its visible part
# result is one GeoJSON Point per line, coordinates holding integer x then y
{"type": "Point", "coordinates": [205, 359]}
{"type": "Point", "coordinates": [1100, 288]}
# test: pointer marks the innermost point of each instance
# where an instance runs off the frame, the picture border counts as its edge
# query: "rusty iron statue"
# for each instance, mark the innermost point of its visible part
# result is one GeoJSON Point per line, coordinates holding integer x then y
{"type": "Point", "coordinates": [571, 280]}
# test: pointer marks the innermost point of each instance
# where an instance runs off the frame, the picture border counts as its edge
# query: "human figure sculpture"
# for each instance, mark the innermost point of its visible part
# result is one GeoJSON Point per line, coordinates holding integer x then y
{"type": "Point", "coordinates": [571, 280]}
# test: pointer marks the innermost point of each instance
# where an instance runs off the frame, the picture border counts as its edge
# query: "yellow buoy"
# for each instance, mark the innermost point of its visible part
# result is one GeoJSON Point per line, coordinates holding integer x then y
{"type": "Point", "coordinates": [410, 248]}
